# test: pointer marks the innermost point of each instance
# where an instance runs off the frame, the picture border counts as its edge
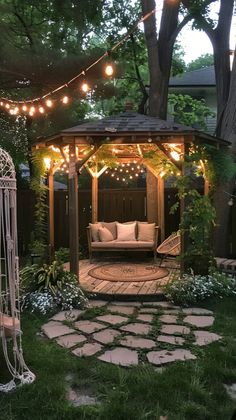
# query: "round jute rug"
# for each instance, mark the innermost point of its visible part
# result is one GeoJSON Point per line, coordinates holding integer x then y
{"type": "Point", "coordinates": [128, 272]}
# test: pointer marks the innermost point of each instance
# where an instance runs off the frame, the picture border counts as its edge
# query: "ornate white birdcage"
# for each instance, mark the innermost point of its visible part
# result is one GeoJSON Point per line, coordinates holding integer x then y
{"type": "Point", "coordinates": [10, 327]}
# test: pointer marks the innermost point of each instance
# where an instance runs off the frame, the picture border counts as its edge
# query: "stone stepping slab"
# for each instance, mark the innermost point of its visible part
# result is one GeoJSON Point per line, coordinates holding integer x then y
{"type": "Point", "coordinates": [199, 321]}
{"type": "Point", "coordinates": [106, 336]}
{"type": "Point", "coordinates": [163, 304]}
{"type": "Point", "coordinates": [113, 319]}
{"type": "Point", "coordinates": [89, 327]}
{"type": "Point", "coordinates": [145, 318]}
{"type": "Point", "coordinates": [120, 356]}
{"type": "Point", "coordinates": [197, 311]}
{"type": "Point", "coordinates": [55, 329]}
{"type": "Point", "coordinates": [168, 319]}
{"type": "Point", "coordinates": [174, 329]}
{"type": "Point", "coordinates": [171, 339]}
{"type": "Point", "coordinates": [137, 328]}
{"type": "Point", "coordinates": [165, 356]}
{"type": "Point", "coordinates": [97, 303]}
{"type": "Point", "coordinates": [203, 338]}
{"type": "Point", "coordinates": [70, 340]}
{"type": "Point", "coordinates": [68, 315]}
{"type": "Point", "coordinates": [88, 349]}
{"type": "Point", "coordinates": [149, 311]}
{"type": "Point", "coordinates": [134, 304]}
{"type": "Point", "coordinates": [137, 342]}
{"type": "Point", "coordinates": [121, 309]}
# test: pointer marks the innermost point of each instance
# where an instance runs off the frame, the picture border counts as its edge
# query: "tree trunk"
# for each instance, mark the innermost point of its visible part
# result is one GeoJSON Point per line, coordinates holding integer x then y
{"type": "Point", "coordinates": [228, 132]}
{"type": "Point", "coordinates": [160, 53]}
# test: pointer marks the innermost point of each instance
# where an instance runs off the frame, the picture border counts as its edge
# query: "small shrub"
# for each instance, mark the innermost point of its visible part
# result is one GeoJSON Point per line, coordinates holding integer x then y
{"type": "Point", "coordinates": [50, 288]}
{"type": "Point", "coordinates": [190, 289]}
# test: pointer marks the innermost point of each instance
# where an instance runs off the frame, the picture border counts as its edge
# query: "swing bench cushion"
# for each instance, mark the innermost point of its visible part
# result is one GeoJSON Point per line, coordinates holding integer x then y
{"type": "Point", "coordinates": [129, 236]}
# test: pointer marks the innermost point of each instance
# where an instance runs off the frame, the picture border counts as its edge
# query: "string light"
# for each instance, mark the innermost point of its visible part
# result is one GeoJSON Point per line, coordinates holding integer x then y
{"type": "Point", "coordinates": [85, 87]}
{"type": "Point", "coordinates": [109, 70]}
{"type": "Point", "coordinates": [41, 110]}
{"type": "Point", "coordinates": [49, 103]}
{"type": "Point", "coordinates": [65, 100]}
{"type": "Point", "coordinates": [175, 155]}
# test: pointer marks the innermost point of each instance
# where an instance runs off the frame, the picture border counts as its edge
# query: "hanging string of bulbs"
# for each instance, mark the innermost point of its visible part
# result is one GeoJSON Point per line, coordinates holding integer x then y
{"type": "Point", "coordinates": [39, 105]}
{"type": "Point", "coordinates": [126, 172]}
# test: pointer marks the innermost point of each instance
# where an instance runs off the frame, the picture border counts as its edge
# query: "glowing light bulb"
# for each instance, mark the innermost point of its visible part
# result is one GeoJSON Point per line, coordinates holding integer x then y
{"type": "Point", "coordinates": [65, 100]}
{"type": "Point", "coordinates": [109, 70]}
{"type": "Point", "coordinates": [85, 87]}
{"type": "Point", "coordinates": [32, 109]}
{"type": "Point", "coordinates": [24, 108]}
{"type": "Point", "coordinates": [175, 155]}
{"type": "Point", "coordinates": [123, 179]}
{"type": "Point", "coordinates": [41, 110]}
{"type": "Point", "coordinates": [131, 177]}
{"type": "Point", "coordinates": [47, 162]}
{"type": "Point", "coordinates": [7, 106]}
{"type": "Point", "coordinates": [112, 175]}
{"type": "Point", "coordinates": [162, 173]}
{"type": "Point", "coordinates": [136, 174]}
{"type": "Point", "coordinates": [11, 111]}
{"type": "Point", "coordinates": [49, 103]}
{"type": "Point", "coordinates": [1, 103]}
{"type": "Point", "coordinates": [117, 178]}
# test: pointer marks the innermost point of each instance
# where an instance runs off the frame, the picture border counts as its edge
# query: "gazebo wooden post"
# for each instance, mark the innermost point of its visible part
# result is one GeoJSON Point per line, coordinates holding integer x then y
{"type": "Point", "coordinates": [95, 176]}
{"type": "Point", "coordinates": [184, 236]}
{"type": "Point", "coordinates": [206, 186]}
{"type": "Point", "coordinates": [152, 200]}
{"type": "Point", "coordinates": [161, 206]}
{"type": "Point", "coordinates": [95, 196]}
{"type": "Point", "coordinates": [73, 212]}
{"type": "Point", "coordinates": [51, 215]}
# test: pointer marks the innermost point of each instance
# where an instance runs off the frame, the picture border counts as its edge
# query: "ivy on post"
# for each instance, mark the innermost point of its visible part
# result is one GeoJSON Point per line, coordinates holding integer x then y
{"type": "Point", "coordinates": [51, 250]}
{"type": "Point", "coordinates": [73, 211]}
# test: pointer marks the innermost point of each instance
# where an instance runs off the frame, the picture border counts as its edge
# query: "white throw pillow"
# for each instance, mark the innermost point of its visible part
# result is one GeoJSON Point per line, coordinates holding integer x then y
{"type": "Point", "coordinates": [126, 232]}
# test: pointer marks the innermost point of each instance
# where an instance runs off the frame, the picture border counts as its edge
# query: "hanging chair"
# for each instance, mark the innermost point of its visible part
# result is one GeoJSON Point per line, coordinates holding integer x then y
{"type": "Point", "coordinates": [171, 246]}
{"type": "Point", "coordinates": [10, 331]}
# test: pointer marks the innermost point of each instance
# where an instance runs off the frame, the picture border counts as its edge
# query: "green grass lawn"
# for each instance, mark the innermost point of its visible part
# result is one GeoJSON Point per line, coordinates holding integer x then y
{"type": "Point", "coordinates": [190, 390]}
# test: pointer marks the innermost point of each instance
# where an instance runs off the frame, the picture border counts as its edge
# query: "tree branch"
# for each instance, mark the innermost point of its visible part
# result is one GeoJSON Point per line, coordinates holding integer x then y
{"type": "Point", "coordinates": [179, 28]}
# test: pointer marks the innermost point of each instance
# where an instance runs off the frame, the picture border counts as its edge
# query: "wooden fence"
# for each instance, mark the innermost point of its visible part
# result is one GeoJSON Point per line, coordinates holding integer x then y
{"type": "Point", "coordinates": [114, 204]}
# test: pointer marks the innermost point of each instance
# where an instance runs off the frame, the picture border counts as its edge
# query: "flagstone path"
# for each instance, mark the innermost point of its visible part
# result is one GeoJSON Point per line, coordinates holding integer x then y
{"type": "Point", "coordinates": [132, 333]}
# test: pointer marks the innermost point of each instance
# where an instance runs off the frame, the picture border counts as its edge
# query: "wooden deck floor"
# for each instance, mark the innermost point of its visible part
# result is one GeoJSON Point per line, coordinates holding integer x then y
{"type": "Point", "coordinates": [119, 288]}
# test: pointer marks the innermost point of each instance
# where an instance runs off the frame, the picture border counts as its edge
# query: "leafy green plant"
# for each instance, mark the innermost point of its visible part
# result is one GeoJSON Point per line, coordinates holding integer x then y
{"type": "Point", "coordinates": [62, 255]}
{"type": "Point", "coordinates": [45, 277]}
{"type": "Point", "coordinates": [189, 111]}
{"type": "Point", "coordinates": [191, 289]}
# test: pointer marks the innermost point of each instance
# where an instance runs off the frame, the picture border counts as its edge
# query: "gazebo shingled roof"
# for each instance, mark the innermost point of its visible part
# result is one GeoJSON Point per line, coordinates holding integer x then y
{"type": "Point", "coordinates": [128, 122]}
{"type": "Point", "coordinates": [125, 124]}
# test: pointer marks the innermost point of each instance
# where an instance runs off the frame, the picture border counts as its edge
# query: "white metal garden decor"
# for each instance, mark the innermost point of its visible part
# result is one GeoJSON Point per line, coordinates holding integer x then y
{"type": "Point", "coordinates": [10, 331]}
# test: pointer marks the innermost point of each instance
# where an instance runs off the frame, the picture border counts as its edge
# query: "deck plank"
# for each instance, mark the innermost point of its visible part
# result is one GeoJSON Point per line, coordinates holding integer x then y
{"type": "Point", "coordinates": [134, 288]}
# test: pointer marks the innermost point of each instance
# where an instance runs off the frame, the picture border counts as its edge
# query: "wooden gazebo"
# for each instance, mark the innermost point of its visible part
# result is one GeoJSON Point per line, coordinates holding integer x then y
{"type": "Point", "coordinates": [127, 136]}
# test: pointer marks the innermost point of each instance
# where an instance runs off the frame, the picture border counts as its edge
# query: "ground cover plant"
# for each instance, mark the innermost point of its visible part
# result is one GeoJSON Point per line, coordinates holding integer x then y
{"type": "Point", "coordinates": [191, 289]}
{"type": "Point", "coordinates": [181, 391]}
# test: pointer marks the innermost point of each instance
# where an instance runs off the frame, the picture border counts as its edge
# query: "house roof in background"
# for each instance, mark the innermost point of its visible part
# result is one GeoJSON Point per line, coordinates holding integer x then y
{"type": "Point", "coordinates": [199, 77]}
